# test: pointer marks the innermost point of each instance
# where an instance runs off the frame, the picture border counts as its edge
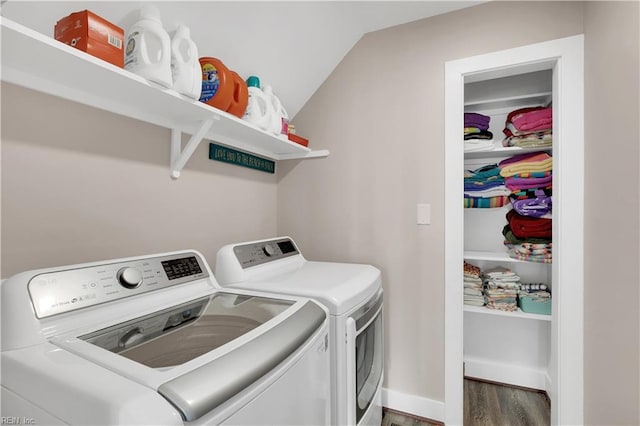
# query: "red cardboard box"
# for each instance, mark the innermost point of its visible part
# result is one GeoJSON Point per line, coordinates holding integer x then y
{"type": "Point", "coordinates": [297, 139]}
{"type": "Point", "coordinates": [92, 34]}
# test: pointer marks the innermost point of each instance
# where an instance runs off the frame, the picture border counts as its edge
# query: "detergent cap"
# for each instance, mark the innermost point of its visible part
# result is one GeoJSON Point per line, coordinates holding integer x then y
{"type": "Point", "coordinates": [150, 12]}
{"type": "Point", "coordinates": [253, 81]}
{"type": "Point", "coordinates": [183, 31]}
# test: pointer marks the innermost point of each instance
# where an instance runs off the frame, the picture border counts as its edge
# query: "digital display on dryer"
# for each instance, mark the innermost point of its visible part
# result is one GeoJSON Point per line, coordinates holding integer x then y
{"type": "Point", "coordinates": [179, 268]}
{"type": "Point", "coordinates": [286, 246]}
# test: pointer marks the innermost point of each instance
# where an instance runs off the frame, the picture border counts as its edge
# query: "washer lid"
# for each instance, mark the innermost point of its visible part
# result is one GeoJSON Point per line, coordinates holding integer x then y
{"type": "Point", "coordinates": [341, 287]}
{"type": "Point", "coordinates": [228, 339]}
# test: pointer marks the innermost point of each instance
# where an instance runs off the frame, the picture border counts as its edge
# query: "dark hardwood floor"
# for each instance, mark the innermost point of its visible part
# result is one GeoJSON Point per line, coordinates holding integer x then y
{"type": "Point", "coordinates": [489, 404]}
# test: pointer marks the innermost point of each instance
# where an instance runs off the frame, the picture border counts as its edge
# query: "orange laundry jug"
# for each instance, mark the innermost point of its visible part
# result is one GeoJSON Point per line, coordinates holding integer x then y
{"type": "Point", "coordinates": [217, 83]}
{"type": "Point", "coordinates": [240, 97]}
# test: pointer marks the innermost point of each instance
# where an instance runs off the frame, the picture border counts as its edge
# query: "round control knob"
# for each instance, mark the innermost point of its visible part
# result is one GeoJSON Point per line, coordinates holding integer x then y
{"type": "Point", "coordinates": [129, 277]}
{"type": "Point", "coordinates": [269, 250]}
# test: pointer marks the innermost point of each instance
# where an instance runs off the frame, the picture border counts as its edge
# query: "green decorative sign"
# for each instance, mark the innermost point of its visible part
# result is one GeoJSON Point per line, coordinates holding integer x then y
{"type": "Point", "coordinates": [239, 158]}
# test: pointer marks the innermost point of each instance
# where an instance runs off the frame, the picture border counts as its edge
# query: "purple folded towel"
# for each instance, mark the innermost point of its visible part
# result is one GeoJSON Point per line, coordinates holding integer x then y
{"type": "Point", "coordinates": [472, 119]}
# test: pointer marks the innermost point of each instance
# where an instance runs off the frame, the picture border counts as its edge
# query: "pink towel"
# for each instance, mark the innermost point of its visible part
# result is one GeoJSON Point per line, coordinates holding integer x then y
{"type": "Point", "coordinates": [532, 121]}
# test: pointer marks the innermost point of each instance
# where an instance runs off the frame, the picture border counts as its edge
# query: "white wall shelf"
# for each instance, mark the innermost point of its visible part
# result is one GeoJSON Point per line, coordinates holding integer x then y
{"type": "Point", "coordinates": [39, 62]}
{"type": "Point", "coordinates": [516, 314]}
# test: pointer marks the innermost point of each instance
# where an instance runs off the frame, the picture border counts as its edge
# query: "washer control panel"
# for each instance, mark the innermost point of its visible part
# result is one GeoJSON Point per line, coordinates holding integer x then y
{"type": "Point", "coordinates": [53, 293]}
{"type": "Point", "coordinates": [253, 254]}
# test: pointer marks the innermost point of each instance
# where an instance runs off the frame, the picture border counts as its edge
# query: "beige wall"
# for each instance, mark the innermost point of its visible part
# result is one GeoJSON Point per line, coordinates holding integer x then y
{"type": "Point", "coordinates": [79, 184]}
{"type": "Point", "coordinates": [381, 114]}
{"type": "Point", "coordinates": [612, 292]}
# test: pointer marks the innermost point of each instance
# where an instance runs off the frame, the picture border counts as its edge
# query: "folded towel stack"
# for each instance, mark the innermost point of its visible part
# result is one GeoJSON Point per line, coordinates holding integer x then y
{"type": "Point", "coordinates": [501, 287]}
{"type": "Point", "coordinates": [529, 128]}
{"type": "Point", "coordinates": [477, 136]}
{"type": "Point", "coordinates": [472, 286]}
{"type": "Point", "coordinates": [529, 177]}
{"type": "Point", "coordinates": [485, 188]}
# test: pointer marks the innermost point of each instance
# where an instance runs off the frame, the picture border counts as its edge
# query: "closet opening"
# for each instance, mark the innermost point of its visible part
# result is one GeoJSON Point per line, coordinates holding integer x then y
{"type": "Point", "coordinates": [513, 151]}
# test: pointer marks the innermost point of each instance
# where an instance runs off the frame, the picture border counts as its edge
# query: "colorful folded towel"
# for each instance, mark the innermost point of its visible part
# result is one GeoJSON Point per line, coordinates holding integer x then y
{"type": "Point", "coordinates": [526, 163]}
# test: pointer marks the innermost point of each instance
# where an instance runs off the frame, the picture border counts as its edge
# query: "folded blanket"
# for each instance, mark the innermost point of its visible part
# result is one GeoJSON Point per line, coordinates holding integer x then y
{"type": "Point", "coordinates": [509, 127]}
{"type": "Point", "coordinates": [526, 157]}
{"type": "Point", "coordinates": [517, 184]}
{"type": "Point", "coordinates": [491, 192]}
{"type": "Point", "coordinates": [510, 238]}
{"type": "Point", "coordinates": [485, 203]}
{"type": "Point", "coordinates": [528, 227]}
{"type": "Point", "coordinates": [515, 254]}
{"type": "Point", "coordinates": [475, 145]}
{"type": "Point", "coordinates": [524, 175]}
{"type": "Point", "coordinates": [483, 178]}
{"type": "Point", "coordinates": [526, 163]}
{"type": "Point", "coordinates": [531, 193]}
{"type": "Point", "coordinates": [489, 183]}
{"type": "Point", "coordinates": [482, 134]}
{"type": "Point", "coordinates": [541, 139]}
{"type": "Point", "coordinates": [534, 207]}
{"type": "Point", "coordinates": [471, 270]}
{"type": "Point", "coordinates": [533, 120]}
{"type": "Point", "coordinates": [472, 119]}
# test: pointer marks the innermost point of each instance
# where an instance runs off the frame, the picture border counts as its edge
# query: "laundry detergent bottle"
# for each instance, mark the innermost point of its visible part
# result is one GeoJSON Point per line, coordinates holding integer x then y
{"type": "Point", "coordinates": [280, 119]}
{"type": "Point", "coordinates": [148, 48]}
{"type": "Point", "coordinates": [185, 66]}
{"type": "Point", "coordinates": [259, 111]}
{"type": "Point", "coordinates": [217, 83]}
{"type": "Point", "coordinates": [240, 97]}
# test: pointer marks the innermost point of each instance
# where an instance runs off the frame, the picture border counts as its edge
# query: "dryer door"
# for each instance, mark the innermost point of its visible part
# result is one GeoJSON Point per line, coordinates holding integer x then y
{"type": "Point", "coordinates": [368, 356]}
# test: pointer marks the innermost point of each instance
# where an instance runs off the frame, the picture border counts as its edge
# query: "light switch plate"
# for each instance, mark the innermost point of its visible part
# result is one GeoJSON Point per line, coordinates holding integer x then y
{"type": "Point", "coordinates": [424, 214]}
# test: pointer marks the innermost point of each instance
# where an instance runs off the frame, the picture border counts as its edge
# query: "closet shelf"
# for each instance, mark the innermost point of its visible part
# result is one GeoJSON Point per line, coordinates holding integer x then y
{"type": "Point", "coordinates": [517, 314]}
{"type": "Point", "coordinates": [508, 102]}
{"type": "Point", "coordinates": [40, 63]}
{"type": "Point", "coordinates": [500, 151]}
{"type": "Point", "coordinates": [509, 92]}
{"type": "Point", "coordinates": [492, 256]}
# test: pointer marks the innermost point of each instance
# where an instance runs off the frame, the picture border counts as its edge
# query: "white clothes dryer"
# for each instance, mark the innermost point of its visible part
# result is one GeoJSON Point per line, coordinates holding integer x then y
{"type": "Point", "coordinates": [154, 340]}
{"type": "Point", "coordinates": [353, 295]}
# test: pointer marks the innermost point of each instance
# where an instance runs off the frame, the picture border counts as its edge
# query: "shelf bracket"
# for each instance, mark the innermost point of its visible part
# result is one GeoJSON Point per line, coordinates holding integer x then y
{"type": "Point", "coordinates": [179, 156]}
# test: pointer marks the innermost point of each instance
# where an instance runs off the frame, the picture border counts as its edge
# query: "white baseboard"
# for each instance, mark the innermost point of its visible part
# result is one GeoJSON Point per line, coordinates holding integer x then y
{"type": "Point", "coordinates": [505, 373]}
{"type": "Point", "coordinates": [412, 404]}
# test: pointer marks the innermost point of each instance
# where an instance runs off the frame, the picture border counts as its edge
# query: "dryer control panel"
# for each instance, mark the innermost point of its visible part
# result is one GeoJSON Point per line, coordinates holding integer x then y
{"type": "Point", "coordinates": [62, 291]}
{"type": "Point", "coordinates": [253, 254]}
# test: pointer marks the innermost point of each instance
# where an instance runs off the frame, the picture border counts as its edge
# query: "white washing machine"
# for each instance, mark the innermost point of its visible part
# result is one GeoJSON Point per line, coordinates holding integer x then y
{"type": "Point", "coordinates": [353, 295]}
{"type": "Point", "coordinates": [153, 340]}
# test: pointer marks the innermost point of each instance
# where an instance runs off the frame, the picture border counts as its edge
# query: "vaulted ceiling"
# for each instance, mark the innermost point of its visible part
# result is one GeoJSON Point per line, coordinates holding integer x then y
{"type": "Point", "coordinates": [292, 45]}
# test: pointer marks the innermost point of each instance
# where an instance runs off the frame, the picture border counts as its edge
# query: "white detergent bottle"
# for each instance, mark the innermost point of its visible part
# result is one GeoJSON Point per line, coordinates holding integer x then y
{"type": "Point", "coordinates": [259, 110]}
{"type": "Point", "coordinates": [279, 120]}
{"type": "Point", "coordinates": [185, 66]}
{"type": "Point", "coordinates": [148, 48]}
